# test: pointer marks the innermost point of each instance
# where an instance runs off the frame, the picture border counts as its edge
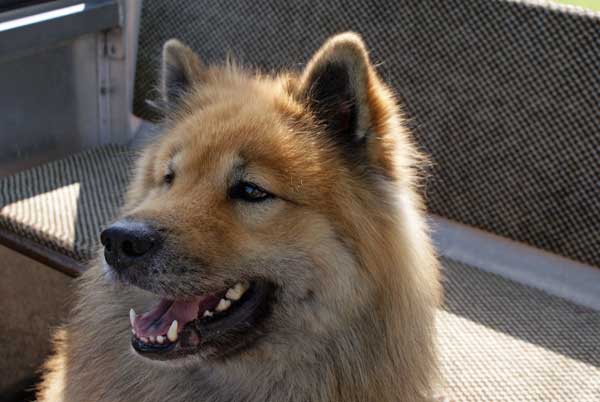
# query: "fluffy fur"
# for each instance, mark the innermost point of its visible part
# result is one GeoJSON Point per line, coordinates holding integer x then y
{"type": "Point", "coordinates": [344, 240]}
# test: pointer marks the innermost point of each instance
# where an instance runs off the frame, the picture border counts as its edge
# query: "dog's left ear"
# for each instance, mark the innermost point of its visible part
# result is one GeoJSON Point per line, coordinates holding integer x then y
{"type": "Point", "coordinates": [181, 69]}
{"type": "Point", "coordinates": [336, 83]}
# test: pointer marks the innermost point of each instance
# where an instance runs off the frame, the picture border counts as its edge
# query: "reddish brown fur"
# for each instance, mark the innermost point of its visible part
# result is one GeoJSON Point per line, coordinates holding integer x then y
{"type": "Point", "coordinates": [351, 234]}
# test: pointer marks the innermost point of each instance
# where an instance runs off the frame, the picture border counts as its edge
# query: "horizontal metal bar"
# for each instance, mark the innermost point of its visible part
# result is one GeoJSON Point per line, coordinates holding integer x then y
{"type": "Point", "coordinates": [43, 25]}
{"type": "Point", "coordinates": [556, 275]}
{"type": "Point", "coordinates": [51, 258]}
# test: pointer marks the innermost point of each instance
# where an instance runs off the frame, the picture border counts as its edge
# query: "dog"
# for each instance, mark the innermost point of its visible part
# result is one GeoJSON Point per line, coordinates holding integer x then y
{"type": "Point", "coordinates": [272, 247]}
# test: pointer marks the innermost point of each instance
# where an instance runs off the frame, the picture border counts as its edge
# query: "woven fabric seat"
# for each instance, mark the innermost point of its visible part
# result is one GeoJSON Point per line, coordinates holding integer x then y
{"type": "Point", "coordinates": [502, 341]}
{"type": "Point", "coordinates": [61, 206]}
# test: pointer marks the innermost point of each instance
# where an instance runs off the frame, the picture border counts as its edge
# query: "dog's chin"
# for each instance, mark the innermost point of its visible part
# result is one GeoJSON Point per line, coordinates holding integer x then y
{"type": "Point", "coordinates": [209, 326]}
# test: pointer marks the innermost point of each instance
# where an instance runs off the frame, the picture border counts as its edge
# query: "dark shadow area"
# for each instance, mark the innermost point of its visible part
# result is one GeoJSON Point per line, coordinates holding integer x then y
{"type": "Point", "coordinates": [522, 312]}
{"type": "Point", "coordinates": [22, 391]}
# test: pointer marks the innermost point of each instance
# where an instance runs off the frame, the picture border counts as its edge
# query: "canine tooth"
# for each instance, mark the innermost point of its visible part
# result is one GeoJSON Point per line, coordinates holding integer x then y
{"type": "Point", "coordinates": [223, 305]}
{"type": "Point", "coordinates": [144, 339]}
{"type": "Point", "coordinates": [172, 332]}
{"type": "Point", "coordinates": [160, 339]}
{"type": "Point", "coordinates": [132, 316]}
{"type": "Point", "coordinates": [207, 313]}
{"type": "Point", "coordinates": [152, 339]}
{"type": "Point", "coordinates": [236, 292]}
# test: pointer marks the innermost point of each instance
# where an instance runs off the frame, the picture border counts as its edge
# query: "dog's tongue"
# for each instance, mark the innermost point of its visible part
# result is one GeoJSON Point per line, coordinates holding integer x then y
{"type": "Point", "coordinates": [158, 320]}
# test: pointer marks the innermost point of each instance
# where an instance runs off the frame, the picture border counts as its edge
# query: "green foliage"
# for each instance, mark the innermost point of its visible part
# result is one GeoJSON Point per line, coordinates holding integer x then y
{"type": "Point", "coordinates": [592, 4]}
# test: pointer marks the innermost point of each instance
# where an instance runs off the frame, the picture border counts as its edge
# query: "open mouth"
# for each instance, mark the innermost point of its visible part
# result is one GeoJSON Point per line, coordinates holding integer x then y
{"type": "Point", "coordinates": [213, 324]}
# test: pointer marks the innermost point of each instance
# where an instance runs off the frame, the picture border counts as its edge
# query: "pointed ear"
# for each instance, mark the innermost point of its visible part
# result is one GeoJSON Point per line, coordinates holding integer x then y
{"type": "Point", "coordinates": [181, 68]}
{"type": "Point", "coordinates": [335, 84]}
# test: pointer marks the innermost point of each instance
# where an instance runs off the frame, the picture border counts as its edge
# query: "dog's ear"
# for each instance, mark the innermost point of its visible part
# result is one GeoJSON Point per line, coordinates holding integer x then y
{"type": "Point", "coordinates": [335, 83]}
{"type": "Point", "coordinates": [181, 69]}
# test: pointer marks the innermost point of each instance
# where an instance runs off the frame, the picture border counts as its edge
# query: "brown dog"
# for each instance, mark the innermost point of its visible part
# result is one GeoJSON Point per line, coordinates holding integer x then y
{"type": "Point", "coordinates": [273, 246]}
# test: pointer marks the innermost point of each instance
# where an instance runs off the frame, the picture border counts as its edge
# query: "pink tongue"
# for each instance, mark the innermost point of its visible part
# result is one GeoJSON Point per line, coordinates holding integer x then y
{"type": "Point", "coordinates": [158, 320]}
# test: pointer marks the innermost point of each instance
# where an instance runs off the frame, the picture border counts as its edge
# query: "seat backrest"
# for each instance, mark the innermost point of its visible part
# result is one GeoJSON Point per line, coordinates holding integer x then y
{"type": "Point", "coordinates": [504, 95]}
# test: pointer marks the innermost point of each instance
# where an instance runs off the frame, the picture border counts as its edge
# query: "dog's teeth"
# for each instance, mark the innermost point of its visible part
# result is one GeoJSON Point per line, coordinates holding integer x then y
{"type": "Point", "coordinates": [172, 333]}
{"type": "Point", "coordinates": [152, 339]}
{"type": "Point", "coordinates": [223, 305]}
{"type": "Point", "coordinates": [160, 339]}
{"type": "Point", "coordinates": [207, 314]}
{"type": "Point", "coordinates": [236, 292]}
{"type": "Point", "coordinates": [144, 339]}
{"type": "Point", "coordinates": [132, 316]}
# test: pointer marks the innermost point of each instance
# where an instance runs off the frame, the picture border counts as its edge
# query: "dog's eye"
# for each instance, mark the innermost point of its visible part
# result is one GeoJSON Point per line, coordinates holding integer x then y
{"type": "Point", "coordinates": [248, 192]}
{"type": "Point", "coordinates": [169, 177]}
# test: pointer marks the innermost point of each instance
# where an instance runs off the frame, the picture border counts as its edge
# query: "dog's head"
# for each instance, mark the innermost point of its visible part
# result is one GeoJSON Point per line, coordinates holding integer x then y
{"type": "Point", "coordinates": [244, 219]}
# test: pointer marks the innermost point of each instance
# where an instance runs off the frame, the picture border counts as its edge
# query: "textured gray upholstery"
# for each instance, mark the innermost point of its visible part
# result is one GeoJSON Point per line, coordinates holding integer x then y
{"type": "Point", "coordinates": [63, 204]}
{"type": "Point", "coordinates": [503, 95]}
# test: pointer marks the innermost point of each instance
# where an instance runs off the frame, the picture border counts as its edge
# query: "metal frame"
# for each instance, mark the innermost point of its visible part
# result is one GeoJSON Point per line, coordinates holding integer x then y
{"type": "Point", "coordinates": [74, 74]}
{"type": "Point", "coordinates": [116, 67]}
{"type": "Point", "coordinates": [519, 262]}
{"type": "Point", "coordinates": [86, 17]}
{"type": "Point", "coordinates": [42, 254]}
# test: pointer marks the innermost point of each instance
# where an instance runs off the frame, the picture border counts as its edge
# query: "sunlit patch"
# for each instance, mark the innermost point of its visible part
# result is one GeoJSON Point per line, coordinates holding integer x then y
{"type": "Point", "coordinates": [53, 212]}
{"type": "Point", "coordinates": [481, 363]}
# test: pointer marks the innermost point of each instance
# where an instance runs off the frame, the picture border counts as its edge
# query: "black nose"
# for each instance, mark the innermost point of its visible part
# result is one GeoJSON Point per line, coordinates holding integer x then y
{"type": "Point", "coordinates": [129, 242]}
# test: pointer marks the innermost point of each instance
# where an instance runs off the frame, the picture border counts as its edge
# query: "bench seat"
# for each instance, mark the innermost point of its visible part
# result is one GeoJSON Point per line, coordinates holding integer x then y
{"type": "Point", "coordinates": [53, 212]}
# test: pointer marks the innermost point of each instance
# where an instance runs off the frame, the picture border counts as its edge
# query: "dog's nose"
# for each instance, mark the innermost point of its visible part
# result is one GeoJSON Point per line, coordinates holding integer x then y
{"type": "Point", "coordinates": [127, 242]}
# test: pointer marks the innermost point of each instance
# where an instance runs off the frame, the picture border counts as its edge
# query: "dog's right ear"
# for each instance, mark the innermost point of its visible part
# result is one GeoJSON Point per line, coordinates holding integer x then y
{"type": "Point", "coordinates": [181, 69]}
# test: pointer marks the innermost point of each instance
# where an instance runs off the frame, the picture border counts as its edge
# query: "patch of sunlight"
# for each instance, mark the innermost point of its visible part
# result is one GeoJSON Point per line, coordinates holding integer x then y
{"type": "Point", "coordinates": [482, 364]}
{"type": "Point", "coordinates": [53, 213]}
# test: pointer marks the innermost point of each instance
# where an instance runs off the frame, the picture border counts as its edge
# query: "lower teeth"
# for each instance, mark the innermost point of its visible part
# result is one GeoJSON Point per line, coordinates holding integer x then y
{"type": "Point", "coordinates": [233, 294]}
